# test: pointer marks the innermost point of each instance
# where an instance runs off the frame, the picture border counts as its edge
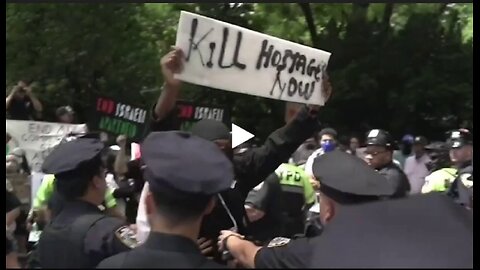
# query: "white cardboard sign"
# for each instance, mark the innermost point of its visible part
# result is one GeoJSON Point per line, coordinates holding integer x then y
{"type": "Point", "coordinates": [38, 139]}
{"type": "Point", "coordinates": [225, 56]}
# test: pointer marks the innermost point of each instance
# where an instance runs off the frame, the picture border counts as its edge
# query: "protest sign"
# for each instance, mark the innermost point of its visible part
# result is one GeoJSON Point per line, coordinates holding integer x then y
{"type": "Point", "coordinates": [225, 56]}
{"type": "Point", "coordinates": [189, 113]}
{"type": "Point", "coordinates": [118, 118]}
{"type": "Point", "coordinates": [38, 139]}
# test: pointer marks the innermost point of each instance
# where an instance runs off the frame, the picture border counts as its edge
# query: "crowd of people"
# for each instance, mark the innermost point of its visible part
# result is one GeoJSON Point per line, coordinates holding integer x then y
{"type": "Point", "coordinates": [190, 200]}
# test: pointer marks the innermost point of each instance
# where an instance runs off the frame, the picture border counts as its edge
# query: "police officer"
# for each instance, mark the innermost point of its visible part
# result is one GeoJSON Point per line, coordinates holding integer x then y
{"type": "Point", "coordinates": [252, 167]}
{"type": "Point", "coordinates": [46, 197]}
{"type": "Point", "coordinates": [298, 195]}
{"type": "Point", "coordinates": [379, 155]}
{"type": "Point", "coordinates": [442, 171]}
{"type": "Point", "coordinates": [81, 235]}
{"type": "Point", "coordinates": [178, 199]}
{"type": "Point", "coordinates": [461, 153]}
{"type": "Point", "coordinates": [418, 232]}
{"type": "Point", "coordinates": [460, 148]}
{"type": "Point", "coordinates": [344, 180]}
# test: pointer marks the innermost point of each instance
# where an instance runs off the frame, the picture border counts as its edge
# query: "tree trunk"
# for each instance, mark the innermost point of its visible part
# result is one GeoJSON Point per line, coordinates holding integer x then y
{"type": "Point", "coordinates": [307, 11]}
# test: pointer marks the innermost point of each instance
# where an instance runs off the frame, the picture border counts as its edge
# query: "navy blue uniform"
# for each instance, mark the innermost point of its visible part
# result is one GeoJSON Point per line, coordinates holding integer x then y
{"type": "Point", "coordinates": [106, 237]}
{"type": "Point", "coordinates": [161, 251]}
{"type": "Point", "coordinates": [80, 235]}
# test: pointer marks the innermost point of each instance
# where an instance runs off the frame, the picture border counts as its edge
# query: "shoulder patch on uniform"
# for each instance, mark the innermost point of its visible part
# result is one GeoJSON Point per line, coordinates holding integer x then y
{"type": "Point", "coordinates": [127, 236]}
{"type": "Point", "coordinates": [278, 242]}
{"type": "Point", "coordinates": [466, 180]}
{"type": "Point", "coordinates": [258, 187]}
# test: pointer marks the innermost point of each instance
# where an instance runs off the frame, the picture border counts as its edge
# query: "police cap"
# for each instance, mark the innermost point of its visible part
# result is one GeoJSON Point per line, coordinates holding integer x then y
{"type": "Point", "coordinates": [459, 138]}
{"type": "Point", "coordinates": [420, 231]}
{"type": "Point", "coordinates": [74, 156]}
{"type": "Point", "coordinates": [437, 146]}
{"type": "Point", "coordinates": [380, 137]}
{"type": "Point", "coordinates": [347, 179]}
{"type": "Point", "coordinates": [180, 162]}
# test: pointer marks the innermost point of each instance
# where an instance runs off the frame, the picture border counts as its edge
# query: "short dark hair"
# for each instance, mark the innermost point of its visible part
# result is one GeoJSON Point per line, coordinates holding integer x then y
{"type": "Point", "coordinates": [178, 206]}
{"type": "Point", "coordinates": [330, 131]}
{"type": "Point", "coordinates": [74, 184]}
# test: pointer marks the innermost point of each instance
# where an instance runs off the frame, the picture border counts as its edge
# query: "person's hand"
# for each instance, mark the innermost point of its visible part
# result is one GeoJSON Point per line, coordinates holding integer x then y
{"type": "Point", "coordinates": [224, 234]}
{"type": "Point", "coordinates": [172, 63]}
{"type": "Point", "coordinates": [133, 227]}
{"type": "Point", "coordinates": [26, 87]}
{"type": "Point", "coordinates": [205, 245]}
{"type": "Point", "coordinates": [122, 141]}
{"type": "Point", "coordinates": [315, 183]}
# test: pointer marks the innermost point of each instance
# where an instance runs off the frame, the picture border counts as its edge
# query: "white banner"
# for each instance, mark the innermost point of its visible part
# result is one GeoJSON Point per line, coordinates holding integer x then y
{"type": "Point", "coordinates": [38, 139]}
{"type": "Point", "coordinates": [225, 56]}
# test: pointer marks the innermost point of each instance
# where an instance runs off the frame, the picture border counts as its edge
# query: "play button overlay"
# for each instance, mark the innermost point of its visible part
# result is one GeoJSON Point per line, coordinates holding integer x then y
{"type": "Point", "coordinates": [240, 135]}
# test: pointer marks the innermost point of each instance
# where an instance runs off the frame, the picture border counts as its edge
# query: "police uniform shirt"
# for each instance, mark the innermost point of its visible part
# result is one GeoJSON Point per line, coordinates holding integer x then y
{"type": "Point", "coordinates": [397, 178]}
{"type": "Point", "coordinates": [161, 251]}
{"type": "Point", "coordinates": [345, 179]}
{"type": "Point", "coordinates": [80, 235]}
{"type": "Point", "coordinates": [394, 174]}
{"type": "Point", "coordinates": [166, 154]}
{"type": "Point", "coordinates": [285, 253]}
{"type": "Point", "coordinates": [420, 231]}
{"type": "Point", "coordinates": [107, 237]}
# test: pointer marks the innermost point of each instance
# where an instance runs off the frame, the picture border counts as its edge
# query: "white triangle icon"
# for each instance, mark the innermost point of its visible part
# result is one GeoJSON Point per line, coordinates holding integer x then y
{"type": "Point", "coordinates": [240, 135]}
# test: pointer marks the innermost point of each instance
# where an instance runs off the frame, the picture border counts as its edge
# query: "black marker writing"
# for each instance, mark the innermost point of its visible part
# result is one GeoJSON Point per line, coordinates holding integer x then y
{"type": "Point", "coordinates": [194, 45]}
{"type": "Point", "coordinates": [235, 55]}
{"type": "Point", "coordinates": [212, 49]}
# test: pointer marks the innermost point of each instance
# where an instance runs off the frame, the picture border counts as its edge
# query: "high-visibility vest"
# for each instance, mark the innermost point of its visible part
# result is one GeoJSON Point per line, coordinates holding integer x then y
{"type": "Point", "coordinates": [440, 180]}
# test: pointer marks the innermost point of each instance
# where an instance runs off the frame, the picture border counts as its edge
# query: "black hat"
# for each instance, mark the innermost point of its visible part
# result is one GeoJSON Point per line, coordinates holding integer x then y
{"type": "Point", "coordinates": [437, 146]}
{"type": "Point", "coordinates": [347, 179]}
{"type": "Point", "coordinates": [420, 140]}
{"type": "Point", "coordinates": [303, 152]}
{"type": "Point", "coordinates": [185, 163]}
{"type": "Point", "coordinates": [459, 138]}
{"type": "Point", "coordinates": [380, 137]}
{"type": "Point", "coordinates": [73, 156]}
{"type": "Point", "coordinates": [420, 231]}
{"type": "Point", "coordinates": [211, 130]}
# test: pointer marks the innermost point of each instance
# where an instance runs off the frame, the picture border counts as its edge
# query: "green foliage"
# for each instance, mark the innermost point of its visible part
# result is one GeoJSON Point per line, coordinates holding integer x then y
{"type": "Point", "coordinates": [403, 67]}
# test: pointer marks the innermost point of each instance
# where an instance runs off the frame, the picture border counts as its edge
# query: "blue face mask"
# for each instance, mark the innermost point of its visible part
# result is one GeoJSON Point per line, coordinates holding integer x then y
{"type": "Point", "coordinates": [328, 146]}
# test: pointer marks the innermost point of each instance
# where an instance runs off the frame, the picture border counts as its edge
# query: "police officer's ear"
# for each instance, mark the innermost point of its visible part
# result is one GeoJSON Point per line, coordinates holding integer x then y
{"type": "Point", "coordinates": [149, 203]}
{"type": "Point", "coordinates": [327, 208]}
{"type": "Point", "coordinates": [99, 182]}
{"type": "Point", "coordinates": [211, 204]}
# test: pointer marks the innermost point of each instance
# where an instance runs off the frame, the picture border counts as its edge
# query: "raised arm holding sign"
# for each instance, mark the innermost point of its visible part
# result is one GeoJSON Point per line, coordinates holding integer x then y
{"type": "Point", "coordinates": [253, 166]}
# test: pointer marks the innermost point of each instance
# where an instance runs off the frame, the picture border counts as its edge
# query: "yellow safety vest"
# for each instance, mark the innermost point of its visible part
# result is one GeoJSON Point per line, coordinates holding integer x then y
{"type": "Point", "coordinates": [440, 180]}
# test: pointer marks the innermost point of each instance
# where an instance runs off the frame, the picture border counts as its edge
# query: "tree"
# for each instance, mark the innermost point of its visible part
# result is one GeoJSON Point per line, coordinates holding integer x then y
{"type": "Point", "coordinates": [402, 67]}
